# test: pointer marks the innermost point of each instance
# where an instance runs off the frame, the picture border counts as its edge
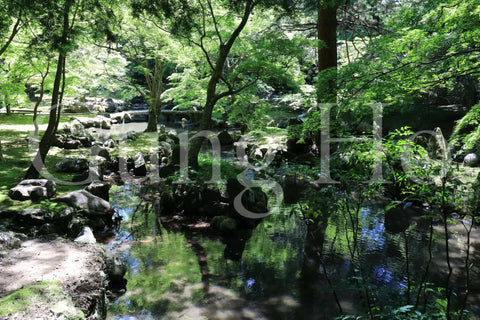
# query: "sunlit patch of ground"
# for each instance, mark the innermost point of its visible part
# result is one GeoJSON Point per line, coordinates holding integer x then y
{"type": "Point", "coordinates": [51, 266]}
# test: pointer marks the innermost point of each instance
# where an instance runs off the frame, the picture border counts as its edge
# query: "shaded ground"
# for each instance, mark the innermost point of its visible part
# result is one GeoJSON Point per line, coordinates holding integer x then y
{"type": "Point", "coordinates": [74, 268]}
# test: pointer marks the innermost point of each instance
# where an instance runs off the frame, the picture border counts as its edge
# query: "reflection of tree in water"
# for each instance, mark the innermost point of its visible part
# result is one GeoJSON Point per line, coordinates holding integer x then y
{"type": "Point", "coordinates": [233, 270]}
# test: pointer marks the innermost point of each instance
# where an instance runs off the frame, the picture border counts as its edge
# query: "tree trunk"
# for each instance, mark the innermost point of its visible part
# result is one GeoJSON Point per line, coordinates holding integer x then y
{"type": "Point", "coordinates": [156, 88]}
{"type": "Point", "coordinates": [40, 99]}
{"type": "Point", "coordinates": [1, 152]}
{"type": "Point", "coordinates": [60, 100]}
{"type": "Point", "coordinates": [38, 162]}
{"type": "Point", "coordinates": [8, 109]}
{"type": "Point", "coordinates": [327, 53]}
{"type": "Point", "coordinates": [212, 96]}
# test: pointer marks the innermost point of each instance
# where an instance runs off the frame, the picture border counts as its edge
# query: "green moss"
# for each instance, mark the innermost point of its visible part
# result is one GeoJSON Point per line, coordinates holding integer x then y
{"type": "Point", "coordinates": [24, 302]}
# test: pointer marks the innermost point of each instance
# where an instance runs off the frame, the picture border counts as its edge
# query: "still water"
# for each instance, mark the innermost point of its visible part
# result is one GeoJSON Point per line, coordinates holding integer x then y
{"type": "Point", "coordinates": [280, 272]}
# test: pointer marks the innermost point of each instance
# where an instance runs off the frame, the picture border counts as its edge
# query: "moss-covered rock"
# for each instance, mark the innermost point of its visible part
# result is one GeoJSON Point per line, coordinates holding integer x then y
{"type": "Point", "coordinates": [47, 298]}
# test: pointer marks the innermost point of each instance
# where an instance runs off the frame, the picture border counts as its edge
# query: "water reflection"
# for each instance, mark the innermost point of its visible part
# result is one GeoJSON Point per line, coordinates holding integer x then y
{"type": "Point", "coordinates": [184, 273]}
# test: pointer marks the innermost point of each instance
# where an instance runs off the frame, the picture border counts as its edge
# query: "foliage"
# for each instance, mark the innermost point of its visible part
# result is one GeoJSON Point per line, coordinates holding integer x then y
{"type": "Point", "coordinates": [466, 135]}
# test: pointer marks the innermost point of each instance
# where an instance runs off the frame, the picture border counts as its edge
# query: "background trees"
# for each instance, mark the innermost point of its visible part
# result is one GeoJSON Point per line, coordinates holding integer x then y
{"type": "Point", "coordinates": [234, 60]}
{"type": "Point", "coordinates": [214, 29]}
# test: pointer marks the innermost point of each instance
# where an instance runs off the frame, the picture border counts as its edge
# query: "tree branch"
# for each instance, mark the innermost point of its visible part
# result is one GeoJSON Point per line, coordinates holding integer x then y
{"type": "Point", "coordinates": [15, 30]}
{"type": "Point", "coordinates": [215, 23]}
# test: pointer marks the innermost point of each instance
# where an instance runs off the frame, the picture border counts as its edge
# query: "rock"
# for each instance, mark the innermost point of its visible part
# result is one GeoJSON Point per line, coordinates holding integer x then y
{"type": "Point", "coordinates": [257, 154]}
{"type": "Point", "coordinates": [112, 106]}
{"type": "Point", "coordinates": [97, 122]}
{"type": "Point", "coordinates": [99, 189]}
{"type": "Point", "coordinates": [471, 160]}
{"type": "Point", "coordinates": [255, 200]}
{"type": "Point", "coordinates": [109, 143]}
{"type": "Point", "coordinates": [104, 122]}
{"type": "Point", "coordinates": [225, 138]}
{"type": "Point", "coordinates": [164, 150]}
{"type": "Point", "coordinates": [77, 130]}
{"type": "Point", "coordinates": [9, 240]}
{"type": "Point", "coordinates": [131, 135]}
{"type": "Point", "coordinates": [87, 177]}
{"type": "Point", "coordinates": [115, 267]}
{"type": "Point", "coordinates": [121, 117]}
{"type": "Point", "coordinates": [72, 144]}
{"type": "Point", "coordinates": [100, 151]}
{"type": "Point", "coordinates": [33, 216]}
{"type": "Point", "coordinates": [85, 236]}
{"type": "Point", "coordinates": [140, 169]}
{"type": "Point", "coordinates": [47, 228]}
{"type": "Point", "coordinates": [76, 225]}
{"type": "Point", "coordinates": [76, 107]}
{"type": "Point", "coordinates": [92, 205]}
{"type": "Point", "coordinates": [33, 189]}
{"type": "Point", "coordinates": [71, 165]}
{"type": "Point", "coordinates": [62, 219]}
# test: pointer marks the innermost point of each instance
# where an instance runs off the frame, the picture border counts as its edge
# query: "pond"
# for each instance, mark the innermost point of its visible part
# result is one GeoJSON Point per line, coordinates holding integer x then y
{"type": "Point", "coordinates": [185, 270]}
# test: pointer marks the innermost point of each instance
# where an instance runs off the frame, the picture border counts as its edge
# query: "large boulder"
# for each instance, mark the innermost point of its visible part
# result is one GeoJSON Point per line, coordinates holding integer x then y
{"type": "Point", "coordinates": [33, 189]}
{"type": "Point", "coordinates": [72, 165]}
{"type": "Point", "coordinates": [92, 205]}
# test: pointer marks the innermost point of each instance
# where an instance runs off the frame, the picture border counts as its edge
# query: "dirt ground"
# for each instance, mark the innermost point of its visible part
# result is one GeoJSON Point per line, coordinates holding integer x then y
{"type": "Point", "coordinates": [78, 268]}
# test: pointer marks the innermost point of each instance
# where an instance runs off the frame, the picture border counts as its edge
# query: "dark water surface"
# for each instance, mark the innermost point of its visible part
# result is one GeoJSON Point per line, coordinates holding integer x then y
{"type": "Point", "coordinates": [183, 273]}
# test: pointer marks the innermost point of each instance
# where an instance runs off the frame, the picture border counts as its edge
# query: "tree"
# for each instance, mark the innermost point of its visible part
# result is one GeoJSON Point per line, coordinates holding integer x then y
{"type": "Point", "coordinates": [426, 46]}
{"type": "Point", "coordinates": [214, 39]}
{"type": "Point", "coordinates": [61, 24]}
{"type": "Point", "coordinates": [143, 44]}
{"type": "Point", "coordinates": [327, 50]}
{"type": "Point", "coordinates": [12, 16]}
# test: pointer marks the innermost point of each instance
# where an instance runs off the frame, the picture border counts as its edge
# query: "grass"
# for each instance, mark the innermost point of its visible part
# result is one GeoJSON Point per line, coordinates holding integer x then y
{"type": "Point", "coordinates": [145, 143]}
{"type": "Point", "coordinates": [22, 119]}
{"type": "Point", "coordinates": [17, 160]}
